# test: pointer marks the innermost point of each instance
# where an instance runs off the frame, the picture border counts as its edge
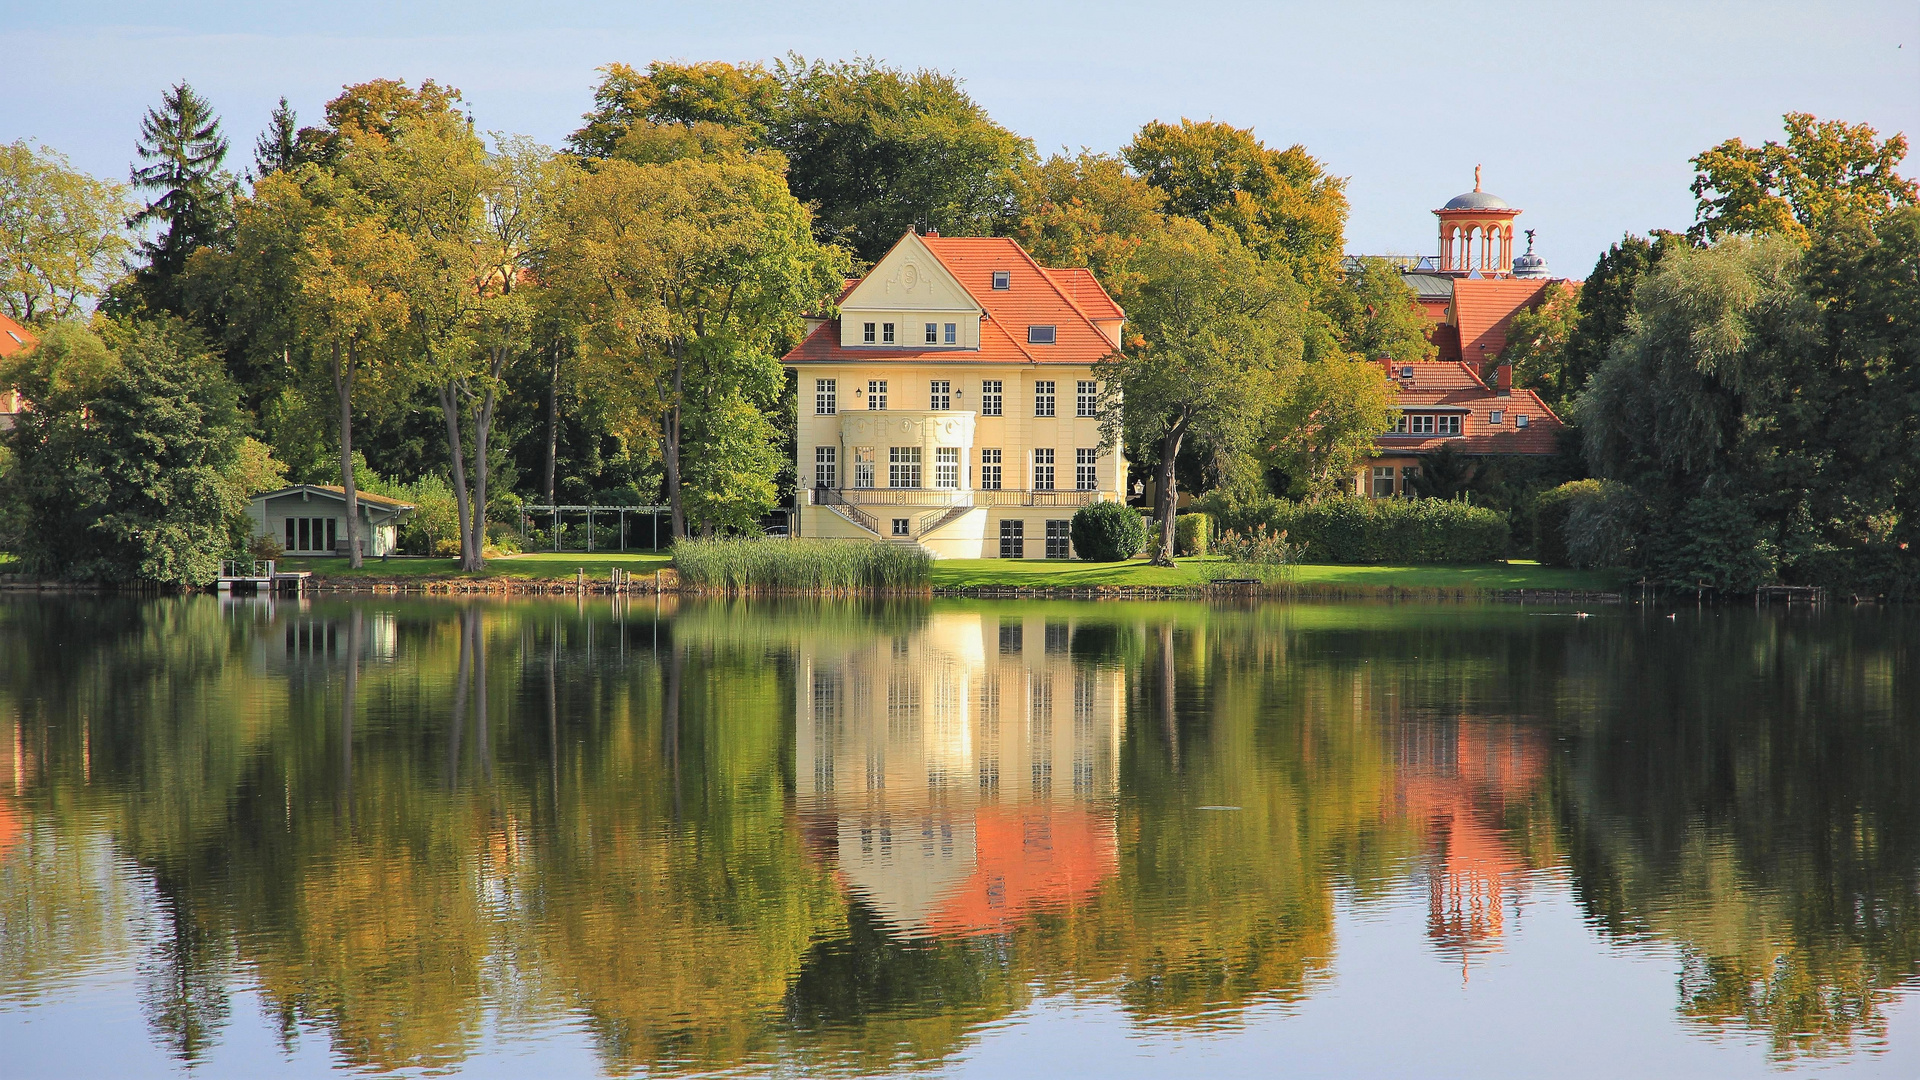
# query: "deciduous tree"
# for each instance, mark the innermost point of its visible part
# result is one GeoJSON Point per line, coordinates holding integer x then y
{"type": "Point", "coordinates": [1826, 170]}
{"type": "Point", "coordinates": [61, 233]}
{"type": "Point", "coordinates": [1281, 203]}
{"type": "Point", "coordinates": [120, 468]}
{"type": "Point", "coordinates": [1215, 343]}
{"type": "Point", "coordinates": [1374, 316]}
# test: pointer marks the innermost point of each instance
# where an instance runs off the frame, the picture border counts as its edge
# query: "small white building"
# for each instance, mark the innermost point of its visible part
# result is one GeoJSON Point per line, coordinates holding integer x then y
{"type": "Point", "coordinates": [310, 519]}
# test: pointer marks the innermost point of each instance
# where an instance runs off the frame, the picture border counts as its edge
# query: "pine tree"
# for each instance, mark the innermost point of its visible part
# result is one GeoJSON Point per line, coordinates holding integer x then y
{"type": "Point", "coordinates": [184, 150]}
{"type": "Point", "coordinates": [277, 148]}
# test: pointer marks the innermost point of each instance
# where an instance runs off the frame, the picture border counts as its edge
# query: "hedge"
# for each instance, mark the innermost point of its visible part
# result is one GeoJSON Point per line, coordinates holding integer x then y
{"type": "Point", "coordinates": [1190, 534]}
{"type": "Point", "coordinates": [1551, 509]}
{"type": "Point", "coordinates": [1350, 529]}
{"type": "Point", "coordinates": [1107, 532]}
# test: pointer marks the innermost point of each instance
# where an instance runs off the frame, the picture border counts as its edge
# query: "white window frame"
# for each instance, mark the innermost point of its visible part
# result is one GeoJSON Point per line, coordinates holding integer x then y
{"type": "Point", "coordinates": [903, 466]}
{"type": "Point", "coordinates": [1521, 420]}
{"type": "Point", "coordinates": [1042, 335]}
{"type": "Point", "coordinates": [1086, 398]}
{"type": "Point", "coordinates": [933, 333]}
{"type": "Point", "coordinates": [940, 395]}
{"type": "Point", "coordinates": [866, 333]}
{"type": "Point", "coordinates": [826, 397]}
{"type": "Point", "coordinates": [1086, 469]}
{"type": "Point", "coordinates": [863, 467]}
{"type": "Point", "coordinates": [990, 468]}
{"type": "Point", "coordinates": [876, 395]}
{"type": "Point", "coordinates": [953, 333]}
{"type": "Point", "coordinates": [946, 467]}
{"type": "Point", "coordinates": [1382, 473]}
{"type": "Point", "coordinates": [826, 466]}
{"type": "Point", "coordinates": [1043, 468]}
{"type": "Point", "coordinates": [1002, 280]}
{"type": "Point", "coordinates": [1043, 397]}
{"type": "Point", "coordinates": [1421, 424]}
{"type": "Point", "coordinates": [1448, 424]}
{"type": "Point", "coordinates": [992, 397]}
{"type": "Point", "coordinates": [886, 333]}
{"type": "Point", "coordinates": [1496, 416]}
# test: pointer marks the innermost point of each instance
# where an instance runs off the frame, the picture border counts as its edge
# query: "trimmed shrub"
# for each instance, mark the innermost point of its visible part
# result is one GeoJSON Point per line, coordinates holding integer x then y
{"type": "Point", "coordinates": [739, 563]}
{"type": "Point", "coordinates": [1191, 533]}
{"type": "Point", "coordinates": [1551, 510]}
{"type": "Point", "coordinates": [1350, 529]}
{"type": "Point", "coordinates": [1107, 532]}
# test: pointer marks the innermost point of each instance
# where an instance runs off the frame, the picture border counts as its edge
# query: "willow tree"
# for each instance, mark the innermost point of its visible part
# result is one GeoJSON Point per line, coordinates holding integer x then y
{"type": "Point", "coordinates": [1216, 342]}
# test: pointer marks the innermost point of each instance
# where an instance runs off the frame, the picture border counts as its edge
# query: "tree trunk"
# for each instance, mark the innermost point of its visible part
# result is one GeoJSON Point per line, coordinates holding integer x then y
{"type": "Point", "coordinates": [1166, 499]}
{"type": "Point", "coordinates": [476, 552]}
{"type": "Point", "coordinates": [450, 409]}
{"type": "Point", "coordinates": [343, 386]}
{"type": "Point", "coordinates": [670, 447]}
{"type": "Point", "coordinates": [553, 415]}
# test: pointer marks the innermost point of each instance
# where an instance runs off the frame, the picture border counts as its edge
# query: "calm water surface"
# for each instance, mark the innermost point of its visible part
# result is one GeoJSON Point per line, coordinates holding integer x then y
{"type": "Point", "coordinates": [984, 839]}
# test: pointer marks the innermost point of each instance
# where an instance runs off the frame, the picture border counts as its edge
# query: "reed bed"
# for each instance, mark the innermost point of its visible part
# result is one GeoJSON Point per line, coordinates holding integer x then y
{"type": "Point", "coordinates": [751, 564]}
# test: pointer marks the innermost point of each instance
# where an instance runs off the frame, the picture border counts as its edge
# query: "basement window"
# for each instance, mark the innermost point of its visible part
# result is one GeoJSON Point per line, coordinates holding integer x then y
{"type": "Point", "coordinates": [1002, 280]}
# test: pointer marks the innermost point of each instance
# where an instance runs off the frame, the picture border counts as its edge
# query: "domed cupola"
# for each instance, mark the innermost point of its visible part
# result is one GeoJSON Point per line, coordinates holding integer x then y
{"type": "Point", "coordinates": [1476, 233]}
{"type": "Point", "coordinates": [1529, 265]}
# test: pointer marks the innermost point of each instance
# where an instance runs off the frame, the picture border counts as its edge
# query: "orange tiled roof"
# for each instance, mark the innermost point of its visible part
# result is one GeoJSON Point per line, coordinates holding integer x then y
{"type": "Point", "coordinates": [1478, 433]}
{"type": "Point", "coordinates": [1067, 300]}
{"type": "Point", "coordinates": [1438, 375]}
{"type": "Point", "coordinates": [14, 337]}
{"type": "Point", "coordinates": [1483, 309]}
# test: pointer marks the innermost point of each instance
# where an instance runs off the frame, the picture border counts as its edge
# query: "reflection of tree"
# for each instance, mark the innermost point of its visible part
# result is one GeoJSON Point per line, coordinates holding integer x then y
{"type": "Point", "coordinates": [401, 820]}
{"type": "Point", "coordinates": [1752, 797]}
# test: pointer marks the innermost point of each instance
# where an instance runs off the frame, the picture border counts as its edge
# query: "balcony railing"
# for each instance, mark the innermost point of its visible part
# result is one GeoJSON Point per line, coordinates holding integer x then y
{"type": "Point", "coordinates": [932, 497]}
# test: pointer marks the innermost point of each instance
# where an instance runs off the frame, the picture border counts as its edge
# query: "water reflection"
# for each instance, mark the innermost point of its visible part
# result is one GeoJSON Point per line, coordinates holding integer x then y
{"type": "Point", "coordinates": [854, 837]}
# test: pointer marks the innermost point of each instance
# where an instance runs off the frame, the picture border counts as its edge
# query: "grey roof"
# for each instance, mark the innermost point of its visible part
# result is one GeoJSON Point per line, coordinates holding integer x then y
{"type": "Point", "coordinates": [1429, 286]}
{"type": "Point", "coordinates": [1476, 200]}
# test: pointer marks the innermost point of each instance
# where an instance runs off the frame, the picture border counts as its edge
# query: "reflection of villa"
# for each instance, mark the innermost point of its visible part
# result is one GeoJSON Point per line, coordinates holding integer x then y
{"type": "Point", "coordinates": [1455, 778]}
{"type": "Point", "coordinates": [960, 773]}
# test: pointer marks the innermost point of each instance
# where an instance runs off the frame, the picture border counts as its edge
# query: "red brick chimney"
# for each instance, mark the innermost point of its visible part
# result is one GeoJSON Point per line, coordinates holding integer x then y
{"type": "Point", "coordinates": [1503, 379]}
{"type": "Point", "coordinates": [1386, 365]}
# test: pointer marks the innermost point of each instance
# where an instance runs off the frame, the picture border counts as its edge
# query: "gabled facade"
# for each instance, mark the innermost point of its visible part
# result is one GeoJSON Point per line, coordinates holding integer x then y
{"type": "Point", "coordinates": [953, 403]}
{"type": "Point", "coordinates": [1444, 403]}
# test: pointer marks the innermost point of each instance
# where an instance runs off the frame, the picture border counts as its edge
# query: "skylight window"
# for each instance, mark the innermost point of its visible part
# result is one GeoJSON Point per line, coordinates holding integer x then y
{"type": "Point", "coordinates": [1003, 279]}
{"type": "Point", "coordinates": [1521, 420]}
{"type": "Point", "coordinates": [1039, 335]}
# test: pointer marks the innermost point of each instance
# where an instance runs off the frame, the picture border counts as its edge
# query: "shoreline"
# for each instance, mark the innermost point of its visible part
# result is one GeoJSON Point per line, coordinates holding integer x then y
{"type": "Point", "coordinates": [657, 584]}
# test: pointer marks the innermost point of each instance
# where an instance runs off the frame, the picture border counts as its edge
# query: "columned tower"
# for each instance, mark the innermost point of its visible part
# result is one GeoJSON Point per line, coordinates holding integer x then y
{"type": "Point", "coordinates": [1476, 233]}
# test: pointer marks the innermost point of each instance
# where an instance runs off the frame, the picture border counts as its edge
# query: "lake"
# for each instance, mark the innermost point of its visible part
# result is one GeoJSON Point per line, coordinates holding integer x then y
{"type": "Point", "coordinates": [609, 836]}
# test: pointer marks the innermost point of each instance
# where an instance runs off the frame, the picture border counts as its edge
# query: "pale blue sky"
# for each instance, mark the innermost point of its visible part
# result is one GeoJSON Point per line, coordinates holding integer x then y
{"type": "Point", "coordinates": [1584, 115]}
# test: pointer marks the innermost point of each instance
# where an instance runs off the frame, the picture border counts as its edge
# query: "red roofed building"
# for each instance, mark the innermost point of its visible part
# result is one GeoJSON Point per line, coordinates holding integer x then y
{"type": "Point", "coordinates": [1471, 292]}
{"type": "Point", "coordinates": [953, 405]}
{"type": "Point", "coordinates": [1445, 403]}
{"type": "Point", "coordinates": [14, 339]}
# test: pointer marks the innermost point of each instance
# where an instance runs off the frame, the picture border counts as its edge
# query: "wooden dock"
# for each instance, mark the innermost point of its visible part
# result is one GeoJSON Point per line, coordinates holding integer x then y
{"type": "Point", "coordinates": [258, 576]}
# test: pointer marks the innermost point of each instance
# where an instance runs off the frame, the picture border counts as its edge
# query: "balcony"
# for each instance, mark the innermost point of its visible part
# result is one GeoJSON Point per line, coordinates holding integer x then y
{"type": "Point", "coordinates": [906, 427]}
{"type": "Point", "coordinates": [938, 497]}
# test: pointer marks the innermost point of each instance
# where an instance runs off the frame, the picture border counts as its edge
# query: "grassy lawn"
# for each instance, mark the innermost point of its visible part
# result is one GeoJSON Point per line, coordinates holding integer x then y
{"type": "Point", "coordinates": [1017, 573]}
{"type": "Point", "coordinates": [543, 564]}
{"type": "Point", "coordinates": [1041, 574]}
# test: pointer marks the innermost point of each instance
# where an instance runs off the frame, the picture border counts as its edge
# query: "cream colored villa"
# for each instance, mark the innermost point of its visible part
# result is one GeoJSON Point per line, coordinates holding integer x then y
{"type": "Point", "coordinates": [953, 403]}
